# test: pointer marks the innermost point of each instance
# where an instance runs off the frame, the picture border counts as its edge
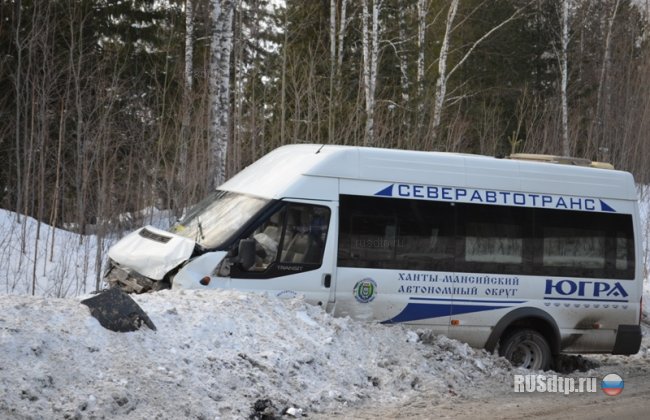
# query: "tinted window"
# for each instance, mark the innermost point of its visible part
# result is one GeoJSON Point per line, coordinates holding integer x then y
{"type": "Point", "coordinates": [387, 233]}
{"type": "Point", "coordinates": [584, 244]}
{"type": "Point", "coordinates": [494, 239]}
{"type": "Point", "coordinates": [426, 235]}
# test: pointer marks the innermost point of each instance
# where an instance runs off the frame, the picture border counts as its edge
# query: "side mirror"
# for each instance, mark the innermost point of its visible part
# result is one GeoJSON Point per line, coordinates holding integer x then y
{"type": "Point", "coordinates": [246, 253]}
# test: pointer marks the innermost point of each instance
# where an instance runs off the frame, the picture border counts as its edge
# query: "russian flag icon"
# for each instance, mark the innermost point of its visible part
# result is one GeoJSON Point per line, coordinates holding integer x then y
{"type": "Point", "coordinates": [612, 384]}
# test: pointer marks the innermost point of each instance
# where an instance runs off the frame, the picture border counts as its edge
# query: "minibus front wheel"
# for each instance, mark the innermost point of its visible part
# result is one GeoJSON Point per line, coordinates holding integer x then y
{"type": "Point", "coordinates": [526, 348]}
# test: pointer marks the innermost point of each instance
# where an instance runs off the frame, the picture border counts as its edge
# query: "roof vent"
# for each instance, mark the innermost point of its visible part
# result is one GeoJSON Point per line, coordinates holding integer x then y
{"type": "Point", "coordinates": [563, 160]}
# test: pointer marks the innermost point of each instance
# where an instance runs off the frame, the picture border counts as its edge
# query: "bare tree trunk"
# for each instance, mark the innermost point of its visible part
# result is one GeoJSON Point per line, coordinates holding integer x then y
{"type": "Point", "coordinates": [602, 81]}
{"type": "Point", "coordinates": [566, 149]}
{"type": "Point", "coordinates": [343, 24]}
{"type": "Point", "coordinates": [441, 83]}
{"type": "Point", "coordinates": [370, 58]}
{"type": "Point", "coordinates": [366, 73]}
{"type": "Point", "coordinates": [333, 72]}
{"type": "Point", "coordinates": [403, 59]}
{"type": "Point", "coordinates": [221, 47]}
{"type": "Point", "coordinates": [19, 92]}
{"type": "Point", "coordinates": [187, 92]}
{"type": "Point", "coordinates": [238, 94]}
{"type": "Point", "coordinates": [80, 172]}
{"type": "Point", "coordinates": [443, 76]}
{"type": "Point", "coordinates": [283, 83]}
{"type": "Point", "coordinates": [422, 26]}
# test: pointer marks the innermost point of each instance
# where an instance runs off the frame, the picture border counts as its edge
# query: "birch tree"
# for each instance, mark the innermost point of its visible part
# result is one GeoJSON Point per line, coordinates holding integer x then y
{"type": "Point", "coordinates": [441, 82]}
{"type": "Point", "coordinates": [343, 24]}
{"type": "Point", "coordinates": [422, 27]}
{"type": "Point", "coordinates": [566, 150]}
{"type": "Point", "coordinates": [187, 89]}
{"type": "Point", "coordinates": [443, 75]}
{"type": "Point", "coordinates": [220, 51]}
{"type": "Point", "coordinates": [403, 59]}
{"type": "Point", "coordinates": [370, 40]}
{"type": "Point", "coordinates": [342, 28]}
{"type": "Point", "coordinates": [603, 74]}
{"type": "Point", "coordinates": [333, 71]}
{"type": "Point", "coordinates": [283, 79]}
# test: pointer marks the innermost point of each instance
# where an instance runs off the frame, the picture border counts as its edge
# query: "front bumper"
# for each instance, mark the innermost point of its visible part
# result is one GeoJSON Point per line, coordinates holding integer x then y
{"type": "Point", "coordinates": [127, 280]}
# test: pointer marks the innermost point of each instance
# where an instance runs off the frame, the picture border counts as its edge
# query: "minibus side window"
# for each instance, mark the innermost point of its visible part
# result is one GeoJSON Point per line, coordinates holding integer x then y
{"type": "Point", "coordinates": [295, 234]}
{"type": "Point", "coordinates": [305, 234]}
{"type": "Point", "coordinates": [584, 244]}
{"type": "Point", "coordinates": [396, 234]}
{"type": "Point", "coordinates": [494, 239]}
{"type": "Point", "coordinates": [411, 234]}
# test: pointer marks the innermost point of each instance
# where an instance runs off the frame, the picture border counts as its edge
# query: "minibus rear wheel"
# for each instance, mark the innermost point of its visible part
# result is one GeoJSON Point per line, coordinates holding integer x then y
{"type": "Point", "coordinates": [526, 348]}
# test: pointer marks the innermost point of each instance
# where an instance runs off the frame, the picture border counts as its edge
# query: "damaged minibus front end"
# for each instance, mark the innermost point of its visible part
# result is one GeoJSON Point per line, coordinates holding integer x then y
{"type": "Point", "coordinates": [149, 258]}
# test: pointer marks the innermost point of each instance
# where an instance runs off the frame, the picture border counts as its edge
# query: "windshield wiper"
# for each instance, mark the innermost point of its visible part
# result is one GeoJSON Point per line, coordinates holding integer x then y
{"type": "Point", "coordinates": [202, 236]}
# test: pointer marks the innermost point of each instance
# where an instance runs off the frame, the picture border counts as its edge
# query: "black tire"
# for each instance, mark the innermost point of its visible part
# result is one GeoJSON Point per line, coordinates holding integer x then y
{"type": "Point", "coordinates": [526, 348]}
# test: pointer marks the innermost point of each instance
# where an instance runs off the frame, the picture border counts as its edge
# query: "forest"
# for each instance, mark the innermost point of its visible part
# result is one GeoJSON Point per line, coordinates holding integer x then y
{"type": "Point", "coordinates": [114, 106]}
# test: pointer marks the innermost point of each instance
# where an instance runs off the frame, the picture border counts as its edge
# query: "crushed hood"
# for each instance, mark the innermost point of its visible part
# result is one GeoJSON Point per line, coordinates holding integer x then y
{"type": "Point", "coordinates": [151, 252]}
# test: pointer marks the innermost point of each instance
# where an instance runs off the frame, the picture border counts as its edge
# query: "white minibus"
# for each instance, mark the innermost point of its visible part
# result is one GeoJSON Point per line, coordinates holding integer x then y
{"type": "Point", "coordinates": [533, 258]}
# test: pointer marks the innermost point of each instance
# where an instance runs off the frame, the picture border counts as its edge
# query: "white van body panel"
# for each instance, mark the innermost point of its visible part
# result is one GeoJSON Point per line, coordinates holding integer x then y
{"type": "Point", "coordinates": [290, 171]}
{"type": "Point", "coordinates": [286, 172]}
{"type": "Point", "coordinates": [192, 273]}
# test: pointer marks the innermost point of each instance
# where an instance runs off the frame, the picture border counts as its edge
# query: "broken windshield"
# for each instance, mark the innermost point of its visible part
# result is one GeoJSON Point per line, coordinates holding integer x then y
{"type": "Point", "coordinates": [216, 218]}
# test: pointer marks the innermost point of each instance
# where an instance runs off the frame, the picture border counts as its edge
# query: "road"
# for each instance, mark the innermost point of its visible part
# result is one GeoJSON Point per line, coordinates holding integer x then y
{"type": "Point", "coordinates": [499, 401]}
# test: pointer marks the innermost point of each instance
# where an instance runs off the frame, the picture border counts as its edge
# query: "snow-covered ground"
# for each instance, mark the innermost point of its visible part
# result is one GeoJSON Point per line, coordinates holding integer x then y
{"type": "Point", "coordinates": [220, 354]}
{"type": "Point", "coordinates": [35, 257]}
{"type": "Point", "coordinates": [215, 354]}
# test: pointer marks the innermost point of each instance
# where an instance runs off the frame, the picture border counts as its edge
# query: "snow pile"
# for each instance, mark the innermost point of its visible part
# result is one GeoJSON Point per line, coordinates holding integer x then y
{"type": "Point", "coordinates": [219, 354]}
{"type": "Point", "coordinates": [38, 259]}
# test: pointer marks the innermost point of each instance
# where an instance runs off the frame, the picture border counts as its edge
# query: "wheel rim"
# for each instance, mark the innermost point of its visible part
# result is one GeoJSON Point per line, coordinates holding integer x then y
{"type": "Point", "coordinates": [527, 354]}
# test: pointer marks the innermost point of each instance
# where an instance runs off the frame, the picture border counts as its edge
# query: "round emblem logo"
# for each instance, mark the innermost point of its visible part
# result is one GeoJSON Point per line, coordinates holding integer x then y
{"type": "Point", "coordinates": [365, 290]}
{"type": "Point", "coordinates": [612, 384]}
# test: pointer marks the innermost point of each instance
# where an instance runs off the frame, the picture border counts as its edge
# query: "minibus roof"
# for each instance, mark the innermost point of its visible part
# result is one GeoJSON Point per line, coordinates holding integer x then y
{"type": "Point", "coordinates": [311, 171]}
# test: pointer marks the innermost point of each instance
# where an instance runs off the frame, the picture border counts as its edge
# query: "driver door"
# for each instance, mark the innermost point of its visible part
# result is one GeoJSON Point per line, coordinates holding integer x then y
{"type": "Point", "coordinates": [294, 253]}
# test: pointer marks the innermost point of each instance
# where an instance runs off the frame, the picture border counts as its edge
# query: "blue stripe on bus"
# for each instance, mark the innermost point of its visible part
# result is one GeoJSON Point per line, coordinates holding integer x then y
{"type": "Point", "coordinates": [417, 311]}
{"type": "Point", "coordinates": [469, 300]}
{"type": "Point", "coordinates": [588, 300]}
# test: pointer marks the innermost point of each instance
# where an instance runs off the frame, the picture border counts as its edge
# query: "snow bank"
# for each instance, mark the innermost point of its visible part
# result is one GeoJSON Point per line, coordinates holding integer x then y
{"type": "Point", "coordinates": [44, 261]}
{"type": "Point", "coordinates": [215, 354]}
{"type": "Point", "coordinates": [37, 259]}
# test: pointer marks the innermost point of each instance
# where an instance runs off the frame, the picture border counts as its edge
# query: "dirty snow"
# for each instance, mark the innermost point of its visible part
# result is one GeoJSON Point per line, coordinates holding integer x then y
{"type": "Point", "coordinates": [214, 355]}
{"type": "Point", "coordinates": [221, 354]}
